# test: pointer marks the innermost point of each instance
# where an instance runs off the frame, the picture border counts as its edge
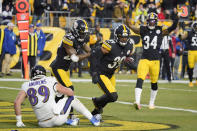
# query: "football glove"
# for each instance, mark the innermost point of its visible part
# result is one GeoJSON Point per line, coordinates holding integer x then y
{"type": "Point", "coordinates": [19, 122]}
{"type": "Point", "coordinates": [74, 58]}
{"type": "Point", "coordinates": [95, 77]}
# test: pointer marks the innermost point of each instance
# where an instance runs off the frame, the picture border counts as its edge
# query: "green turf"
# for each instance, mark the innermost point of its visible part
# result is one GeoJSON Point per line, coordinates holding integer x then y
{"type": "Point", "coordinates": [170, 95]}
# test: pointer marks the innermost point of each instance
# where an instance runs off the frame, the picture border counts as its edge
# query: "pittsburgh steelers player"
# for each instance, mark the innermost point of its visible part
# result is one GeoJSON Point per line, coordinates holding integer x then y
{"type": "Point", "coordinates": [69, 52]}
{"type": "Point", "coordinates": [191, 36]}
{"type": "Point", "coordinates": [105, 59]}
{"type": "Point", "coordinates": [151, 36]}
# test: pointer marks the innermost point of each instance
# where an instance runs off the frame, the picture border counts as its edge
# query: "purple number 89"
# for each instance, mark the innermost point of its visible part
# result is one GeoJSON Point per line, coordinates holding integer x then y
{"type": "Point", "coordinates": [42, 90]}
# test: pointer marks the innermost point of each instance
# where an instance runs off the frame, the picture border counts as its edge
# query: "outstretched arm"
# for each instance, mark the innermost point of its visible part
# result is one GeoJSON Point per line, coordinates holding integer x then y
{"type": "Point", "coordinates": [17, 107]}
{"type": "Point", "coordinates": [63, 90]}
{"type": "Point", "coordinates": [132, 27]}
{"type": "Point", "coordinates": [171, 28]}
{"type": "Point", "coordinates": [86, 54]}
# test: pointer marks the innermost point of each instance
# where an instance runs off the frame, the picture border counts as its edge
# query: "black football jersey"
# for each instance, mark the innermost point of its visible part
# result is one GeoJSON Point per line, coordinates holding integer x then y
{"type": "Point", "coordinates": [192, 40]}
{"type": "Point", "coordinates": [151, 42]}
{"type": "Point", "coordinates": [112, 60]}
{"type": "Point", "coordinates": [63, 60]}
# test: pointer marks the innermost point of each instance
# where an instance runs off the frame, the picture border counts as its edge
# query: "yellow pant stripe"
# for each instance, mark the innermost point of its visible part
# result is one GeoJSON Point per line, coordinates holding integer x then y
{"type": "Point", "coordinates": [108, 83]}
{"type": "Point", "coordinates": [65, 77]}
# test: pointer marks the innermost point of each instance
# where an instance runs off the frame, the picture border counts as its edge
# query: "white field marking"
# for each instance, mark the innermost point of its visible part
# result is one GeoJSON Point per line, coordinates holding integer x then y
{"type": "Point", "coordinates": [125, 103]}
{"type": "Point", "coordinates": [121, 81]}
{"type": "Point", "coordinates": [162, 88]}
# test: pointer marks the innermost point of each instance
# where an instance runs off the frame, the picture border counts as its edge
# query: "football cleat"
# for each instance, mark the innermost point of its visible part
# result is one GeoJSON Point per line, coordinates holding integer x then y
{"type": "Point", "coordinates": [191, 84]}
{"type": "Point", "coordinates": [95, 121]}
{"type": "Point", "coordinates": [73, 122]}
{"type": "Point", "coordinates": [137, 106]}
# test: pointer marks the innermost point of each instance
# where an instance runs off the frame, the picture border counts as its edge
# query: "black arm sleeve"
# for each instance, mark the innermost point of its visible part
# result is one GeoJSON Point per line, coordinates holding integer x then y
{"type": "Point", "coordinates": [96, 55]}
{"type": "Point", "coordinates": [171, 46]}
{"type": "Point", "coordinates": [174, 25]}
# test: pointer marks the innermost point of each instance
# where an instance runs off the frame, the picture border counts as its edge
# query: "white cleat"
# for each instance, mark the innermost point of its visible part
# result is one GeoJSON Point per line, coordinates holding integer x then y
{"type": "Point", "coordinates": [95, 121]}
{"type": "Point", "coordinates": [73, 122]}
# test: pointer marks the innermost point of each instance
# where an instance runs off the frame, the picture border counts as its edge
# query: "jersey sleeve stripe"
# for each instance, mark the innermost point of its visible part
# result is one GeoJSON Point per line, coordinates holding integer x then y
{"type": "Point", "coordinates": [106, 46]}
{"type": "Point", "coordinates": [67, 41]}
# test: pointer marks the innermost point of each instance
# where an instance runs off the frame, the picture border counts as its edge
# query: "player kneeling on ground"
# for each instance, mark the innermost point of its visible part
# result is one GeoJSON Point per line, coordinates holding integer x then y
{"type": "Point", "coordinates": [41, 92]}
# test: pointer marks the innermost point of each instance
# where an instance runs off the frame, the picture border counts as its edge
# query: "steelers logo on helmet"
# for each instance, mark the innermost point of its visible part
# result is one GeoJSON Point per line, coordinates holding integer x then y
{"type": "Point", "coordinates": [80, 29]}
{"type": "Point", "coordinates": [122, 34]}
{"type": "Point", "coordinates": [152, 20]}
{"type": "Point", "coordinates": [194, 26]}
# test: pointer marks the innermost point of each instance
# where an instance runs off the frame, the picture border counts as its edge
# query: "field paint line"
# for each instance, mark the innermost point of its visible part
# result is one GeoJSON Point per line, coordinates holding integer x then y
{"type": "Point", "coordinates": [163, 88]}
{"type": "Point", "coordinates": [10, 88]}
{"type": "Point", "coordinates": [160, 107]}
{"type": "Point", "coordinates": [121, 81]}
{"type": "Point", "coordinates": [126, 103]}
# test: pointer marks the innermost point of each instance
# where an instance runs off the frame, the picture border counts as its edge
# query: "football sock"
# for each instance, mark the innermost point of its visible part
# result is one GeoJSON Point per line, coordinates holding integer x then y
{"type": "Point", "coordinates": [138, 92]}
{"type": "Point", "coordinates": [190, 73]}
{"type": "Point", "coordinates": [153, 95]}
{"type": "Point", "coordinates": [79, 107]}
{"type": "Point", "coordinates": [102, 101]}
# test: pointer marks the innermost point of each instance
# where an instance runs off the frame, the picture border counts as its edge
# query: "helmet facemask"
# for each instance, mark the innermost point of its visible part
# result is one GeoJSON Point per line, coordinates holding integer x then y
{"type": "Point", "coordinates": [194, 26]}
{"type": "Point", "coordinates": [122, 35]}
{"type": "Point", "coordinates": [152, 23]}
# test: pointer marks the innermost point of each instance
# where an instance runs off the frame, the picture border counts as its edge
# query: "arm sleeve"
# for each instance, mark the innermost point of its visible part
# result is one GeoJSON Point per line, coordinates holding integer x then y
{"type": "Point", "coordinates": [96, 55]}
{"type": "Point", "coordinates": [174, 25]}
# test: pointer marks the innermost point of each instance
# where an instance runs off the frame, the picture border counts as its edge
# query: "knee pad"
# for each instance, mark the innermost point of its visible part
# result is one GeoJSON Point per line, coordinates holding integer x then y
{"type": "Point", "coordinates": [154, 86]}
{"type": "Point", "coordinates": [113, 97]}
{"type": "Point", "coordinates": [71, 87]}
{"type": "Point", "coordinates": [139, 83]}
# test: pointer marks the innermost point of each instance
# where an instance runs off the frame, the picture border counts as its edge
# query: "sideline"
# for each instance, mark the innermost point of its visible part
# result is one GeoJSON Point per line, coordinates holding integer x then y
{"type": "Point", "coordinates": [126, 103]}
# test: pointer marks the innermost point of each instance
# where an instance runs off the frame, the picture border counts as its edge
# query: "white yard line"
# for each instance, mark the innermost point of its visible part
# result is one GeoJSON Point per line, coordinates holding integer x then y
{"type": "Point", "coordinates": [125, 103]}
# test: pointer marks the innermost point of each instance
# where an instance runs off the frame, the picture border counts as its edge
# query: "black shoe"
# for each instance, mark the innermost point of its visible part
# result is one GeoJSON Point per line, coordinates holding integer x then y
{"type": "Point", "coordinates": [8, 74]}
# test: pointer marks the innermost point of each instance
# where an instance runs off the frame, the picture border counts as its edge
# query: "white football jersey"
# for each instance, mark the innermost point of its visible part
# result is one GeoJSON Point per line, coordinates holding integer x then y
{"type": "Point", "coordinates": [41, 94]}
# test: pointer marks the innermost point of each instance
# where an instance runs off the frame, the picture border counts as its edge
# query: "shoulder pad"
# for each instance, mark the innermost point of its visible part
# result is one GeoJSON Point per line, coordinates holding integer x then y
{"type": "Point", "coordinates": [68, 39]}
{"type": "Point", "coordinates": [108, 44]}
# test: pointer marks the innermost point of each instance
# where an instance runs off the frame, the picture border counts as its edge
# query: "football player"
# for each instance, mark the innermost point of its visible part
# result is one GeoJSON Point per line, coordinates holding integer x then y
{"type": "Point", "coordinates": [68, 52]}
{"type": "Point", "coordinates": [105, 59]}
{"type": "Point", "coordinates": [191, 36]}
{"type": "Point", "coordinates": [41, 92]}
{"type": "Point", "coordinates": [151, 36]}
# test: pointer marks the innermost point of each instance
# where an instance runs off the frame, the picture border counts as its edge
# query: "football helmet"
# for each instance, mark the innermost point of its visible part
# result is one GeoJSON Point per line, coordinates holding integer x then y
{"type": "Point", "coordinates": [80, 29]}
{"type": "Point", "coordinates": [37, 72]}
{"type": "Point", "coordinates": [194, 26]}
{"type": "Point", "coordinates": [152, 19]}
{"type": "Point", "coordinates": [121, 34]}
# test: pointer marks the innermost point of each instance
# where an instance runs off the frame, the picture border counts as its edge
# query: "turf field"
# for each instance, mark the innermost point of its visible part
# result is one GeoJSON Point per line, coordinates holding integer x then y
{"type": "Point", "coordinates": [176, 107]}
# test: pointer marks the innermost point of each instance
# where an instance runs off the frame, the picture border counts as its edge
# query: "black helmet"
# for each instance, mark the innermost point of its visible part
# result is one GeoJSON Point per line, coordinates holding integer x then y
{"type": "Point", "coordinates": [80, 29]}
{"type": "Point", "coordinates": [38, 71]}
{"type": "Point", "coordinates": [152, 20]}
{"type": "Point", "coordinates": [194, 26]}
{"type": "Point", "coordinates": [122, 31]}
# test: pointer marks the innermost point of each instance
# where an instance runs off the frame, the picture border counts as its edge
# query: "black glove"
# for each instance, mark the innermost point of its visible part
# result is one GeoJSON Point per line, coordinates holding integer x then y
{"type": "Point", "coordinates": [95, 77]}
